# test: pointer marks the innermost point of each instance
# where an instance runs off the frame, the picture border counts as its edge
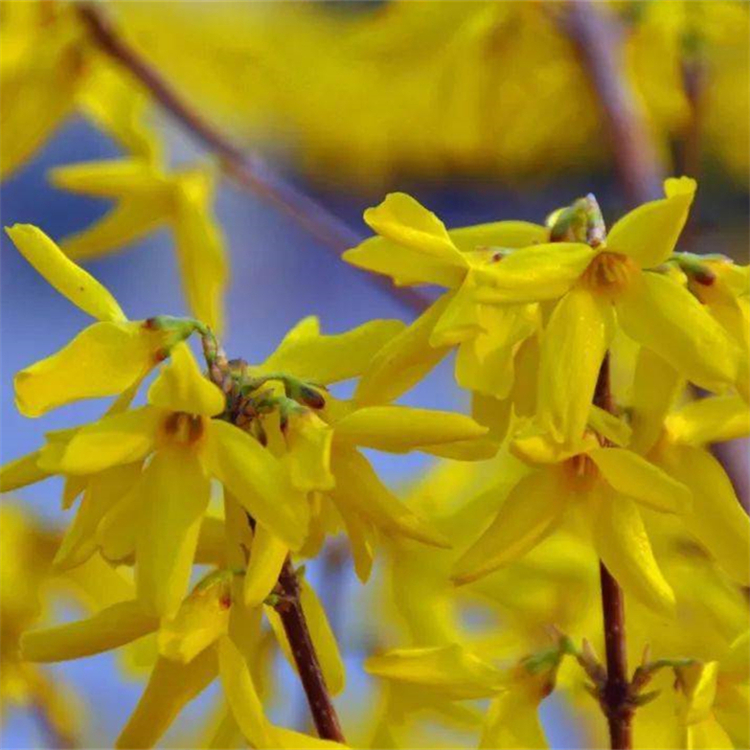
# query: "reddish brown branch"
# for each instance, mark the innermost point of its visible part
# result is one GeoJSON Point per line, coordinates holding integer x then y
{"type": "Point", "coordinates": [248, 170]}
{"type": "Point", "coordinates": [297, 633]}
{"type": "Point", "coordinates": [598, 37]}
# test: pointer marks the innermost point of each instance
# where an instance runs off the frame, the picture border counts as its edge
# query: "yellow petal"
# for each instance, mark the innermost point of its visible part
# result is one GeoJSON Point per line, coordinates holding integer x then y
{"type": "Point", "coordinates": [622, 543]}
{"type": "Point", "coordinates": [308, 458]}
{"type": "Point", "coordinates": [710, 420]}
{"type": "Point", "coordinates": [359, 489]}
{"type": "Point", "coordinates": [656, 385]}
{"type": "Point", "coordinates": [21, 472]}
{"type": "Point", "coordinates": [82, 289]}
{"type": "Point", "coordinates": [405, 221]}
{"type": "Point", "coordinates": [663, 316]}
{"type": "Point", "coordinates": [120, 526]}
{"type": "Point", "coordinates": [267, 556]}
{"type": "Point", "coordinates": [402, 428]}
{"type": "Point", "coordinates": [258, 481]}
{"type": "Point", "coordinates": [573, 347]}
{"type": "Point", "coordinates": [289, 738]}
{"type": "Point", "coordinates": [180, 386]}
{"type": "Point", "coordinates": [114, 440]}
{"type": "Point", "coordinates": [512, 722]}
{"type": "Point", "coordinates": [108, 629]}
{"type": "Point", "coordinates": [104, 359]}
{"type": "Point", "coordinates": [111, 178]}
{"type": "Point", "coordinates": [200, 621]}
{"type": "Point", "coordinates": [360, 534]}
{"type": "Point", "coordinates": [456, 672]}
{"type": "Point", "coordinates": [200, 248]}
{"type": "Point", "coordinates": [528, 514]}
{"type": "Point", "coordinates": [243, 697]}
{"type": "Point", "coordinates": [176, 497]}
{"type": "Point", "coordinates": [404, 360]}
{"type": "Point", "coordinates": [325, 359]}
{"type": "Point", "coordinates": [461, 319]}
{"type": "Point", "coordinates": [535, 273]}
{"type": "Point", "coordinates": [640, 480]}
{"type": "Point", "coordinates": [717, 518]}
{"type": "Point", "coordinates": [170, 687]}
{"type": "Point", "coordinates": [500, 234]}
{"type": "Point", "coordinates": [609, 426]}
{"type": "Point", "coordinates": [649, 233]}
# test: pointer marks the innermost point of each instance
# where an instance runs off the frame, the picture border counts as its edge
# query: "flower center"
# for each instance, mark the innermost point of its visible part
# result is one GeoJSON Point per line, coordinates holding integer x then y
{"type": "Point", "coordinates": [609, 272]}
{"type": "Point", "coordinates": [183, 428]}
{"type": "Point", "coordinates": [581, 472]}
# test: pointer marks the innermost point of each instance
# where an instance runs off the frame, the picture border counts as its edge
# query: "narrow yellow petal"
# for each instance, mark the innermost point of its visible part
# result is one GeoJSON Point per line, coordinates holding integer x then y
{"type": "Point", "coordinates": [573, 347]}
{"type": "Point", "coordinates": [360, 533]}
{"type": "Point", "coordinates": [402, 428]}
{"type": "Point", "coordinates": [498, 234]}
{"type": "Point", "coordinates": [632, 475]}
{"type": "Point", "coordinates": [181, 386]}
{"type": "Point", "coordinates": [535, 273]}
{"type": "Point", "coordinates": [359, 489]}
{"type": "Point", "coordinates": [609, 426]}
{"type": "Point", "coordinates": [529, 513]}
{"type": "Point", "coordinates": [104, 359]}
{"type": "Point", "coordinates": [21, 472]}
{"type": "Point", "coordinates": [258, 481]}
{"type": "Point", "coordinates": [200, 621]}
{"type": "Point", "coordinates": [242, 697]}
{"type": "Point", "coordinates": [717, 518]}
{"type": "Point", "coordinates": [710, 420]}
{"type": "Point", "coordinates": [649, 233]}
{"type": "Point", "coordinates": [111, 178]}
{"type": "Point", "coordinates": [456, 672]}
{"type": "Point", "coordinates": [176, 497]}
{"type": "Point", "coordinates": [308, 457]}
{"type": "Point", "coordinates": [325, 359]}
{"type": "Point", "coordinates": [661, 315]}
{"type": "Point", "coordinates": [108, 629]}
{"type": "Point", "coordinates": [622, 543]}
{"type": "Point", "coordinates": [170, 687]}
{"type": "Point", "coordinates": [404, 360]}
{"type": "Point", "coordinates": [461, 319]}
{"type": "Point", "coordinates": [118, 439]}
{"type": "Point", "coordinates": [82, 289]}
{"type": "Point", "coordinates": [267, 556]}
{"type": "Point", "coordinates": [293, 740]}
{"type": "Point", "coordinates": [513, 722]}
{"type": "Point", "coordinates": [200, 248]}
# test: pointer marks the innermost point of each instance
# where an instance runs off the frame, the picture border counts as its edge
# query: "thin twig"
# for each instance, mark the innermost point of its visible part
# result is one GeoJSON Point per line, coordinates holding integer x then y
{"type": "Point", "coordinates": [598, 37]}
{"type": "Point", "coordinates": [305, 657]}
{"type": "Point", "coordinates": [615, 696]}
{"type": "Point", "coordinates": [247, 169]}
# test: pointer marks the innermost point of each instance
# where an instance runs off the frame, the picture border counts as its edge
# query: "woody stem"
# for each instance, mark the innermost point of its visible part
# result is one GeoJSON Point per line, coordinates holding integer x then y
{"type": "Point", "coordinates": [615, 696]}
{"type": "Point", "coordinates": [246, 169]}
{"type": "Point", "coordinates": [311, 675]}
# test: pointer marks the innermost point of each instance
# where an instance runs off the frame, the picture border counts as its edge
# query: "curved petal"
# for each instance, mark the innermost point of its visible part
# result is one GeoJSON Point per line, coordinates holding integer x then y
{"type": "Point", "coordinates": [317, 358]}
{"type": "Point", "coordinates": [102, 360]}
{"type": "Point", "coordinates": [622, 544]}
{"type": "Point", "coordinates": [512, 721]}
{"type": "Point", "coordinates": [661, 315]}
{"type": "Point", "coordinates": [267, 555]}
{"type": "Point", "coordinates": [170, 687]}
{"type": "Point", "coordinates": [181, 386]}
{"type": "Point", "coordinates": [717, 520]}
{"type": "Point", "coordinates": [635, 477]}
{"type": "Point", "coordinates": [649, 233]}
{"type": "Point", "coordinates": [401, 428]}
{"type": "Point", "coordinates": [176, 497]}
{"type": "Point", "coordinates": [359, 489]}
{"type": "Point", "coordinates": [710, 420]}
{"type": "Point", "coordinates": [535, 273]}
{"type": "Point", "coordinates": [404, 360]}
{"type": "Point", "coordinates": [461, 318]}
{"type": "Point", "coordinates": [22, 472]}
{"type": "Point", "coordinates": [242, 696]}
{"type": "Point", "coordinates": [656, 385]}
{"type": "Point", "coordinates": [574, 343]}
{"type": "Point", "coordinates": [308, 455]}
{"type": "Point", "coordinates": [258, 481]}
{"type": "Point", "coordinates": [498, 234]}
{"type": "Point", "coordinates": [528, 514]}
{"type": "Point", "coordinates": [108, 629]}
{"type": "Point", "coordinates": [80, 287]}
{"type": "Point", "coordinates": [112, 441]}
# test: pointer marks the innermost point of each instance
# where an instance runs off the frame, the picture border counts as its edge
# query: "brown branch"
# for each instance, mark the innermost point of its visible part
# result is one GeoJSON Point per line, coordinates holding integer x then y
{"type": "Point", "coordinates": [598, 37]}
{"type": "Point", "coordinates": [247, 169]}
{"type": "Point", "coordinates": [615, 696]}
{"type": "Point", "coordinates": [297, 633]}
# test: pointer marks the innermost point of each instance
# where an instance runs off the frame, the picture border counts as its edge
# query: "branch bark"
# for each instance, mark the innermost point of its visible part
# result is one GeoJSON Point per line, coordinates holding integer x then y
{"type": "Point", "coordinates": [247, 169]}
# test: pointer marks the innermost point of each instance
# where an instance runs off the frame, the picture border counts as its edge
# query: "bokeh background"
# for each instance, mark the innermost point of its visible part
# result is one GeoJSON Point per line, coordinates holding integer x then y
{"type": "Point", "coordinates": [482, 111]}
